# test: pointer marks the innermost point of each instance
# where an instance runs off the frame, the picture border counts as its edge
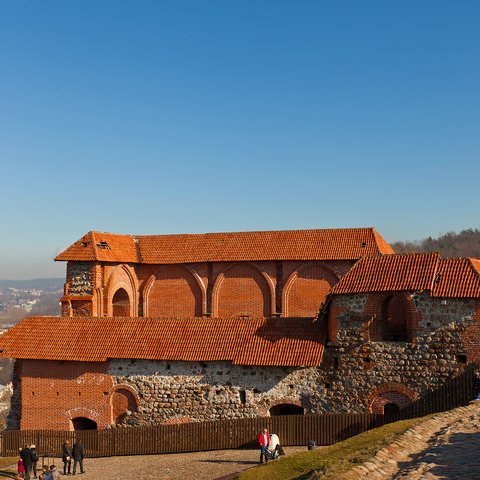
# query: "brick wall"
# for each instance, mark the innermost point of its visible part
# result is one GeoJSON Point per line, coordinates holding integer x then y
{"type": "Point", "coordinates": [222, 289]}
{"type": "Point", "coordinates": [53, 393]}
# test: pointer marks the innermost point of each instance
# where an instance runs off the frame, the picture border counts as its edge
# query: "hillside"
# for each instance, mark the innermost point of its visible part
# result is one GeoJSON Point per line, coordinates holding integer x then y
{"type": "Point", "coordinates": [463, 244]}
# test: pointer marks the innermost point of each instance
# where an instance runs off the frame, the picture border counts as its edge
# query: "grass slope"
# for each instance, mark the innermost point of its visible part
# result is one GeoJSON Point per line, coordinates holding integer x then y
{"type": "Point", "coordinates": [330, 462]}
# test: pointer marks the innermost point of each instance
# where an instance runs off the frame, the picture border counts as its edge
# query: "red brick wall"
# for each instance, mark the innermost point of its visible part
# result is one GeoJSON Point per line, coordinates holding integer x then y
{"type": "Point", "coordinates": [307, 289]}
{"type": "Point", "coordinates": [242, 290]}
{"type": "Point", "coordinates": [174, 293]}
{"type": "Point", "coordinates": [55, 392]}
{"type": "Point", "coordinates": [219, 288]}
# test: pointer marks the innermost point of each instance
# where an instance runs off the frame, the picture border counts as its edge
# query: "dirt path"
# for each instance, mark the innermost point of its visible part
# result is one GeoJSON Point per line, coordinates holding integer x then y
{"type": "Point", "coordinates": [185, 466]}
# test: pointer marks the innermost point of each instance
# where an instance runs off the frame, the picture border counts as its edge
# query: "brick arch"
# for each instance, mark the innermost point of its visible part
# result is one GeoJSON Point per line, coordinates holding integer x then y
{"type": "Point", "coordinates": [392, 392]}
{"type": "Point", "coordinates": [373, 312]}
{"type": "Point", "coordinates": [174, 291]}
{"type": "Point", "coordinates": [242, 288]}
{"type": "Point", "coordinates": [85, 413]}
{"type": "Point", "coordinates": [123, 276]}
{"type": "Point", "coordinates": [306, 289]}
{"type": "Point", "coordinates": [122, 398]}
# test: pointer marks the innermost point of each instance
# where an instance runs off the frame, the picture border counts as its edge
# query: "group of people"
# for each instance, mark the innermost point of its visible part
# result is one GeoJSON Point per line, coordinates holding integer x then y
{"type": "Point", "coordinates": [27, 464]}
{"type": "Point", "coordinates": [76, 453]}
{"type": "Point", "coordinates": [28, 458]}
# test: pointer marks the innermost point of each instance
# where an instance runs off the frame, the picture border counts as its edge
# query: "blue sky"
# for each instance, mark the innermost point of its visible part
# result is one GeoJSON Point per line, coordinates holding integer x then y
{"type": "Point", "coordinates": [201, 116]}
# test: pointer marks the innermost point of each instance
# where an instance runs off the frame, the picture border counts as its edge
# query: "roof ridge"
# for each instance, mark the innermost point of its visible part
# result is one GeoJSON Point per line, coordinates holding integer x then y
{"type": "Point", "coordinates": [435, 273]}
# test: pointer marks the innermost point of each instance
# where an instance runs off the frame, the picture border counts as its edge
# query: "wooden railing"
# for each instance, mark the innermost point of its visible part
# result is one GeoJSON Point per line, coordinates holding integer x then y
{"type": "Point", "coordinates": [325, 429]}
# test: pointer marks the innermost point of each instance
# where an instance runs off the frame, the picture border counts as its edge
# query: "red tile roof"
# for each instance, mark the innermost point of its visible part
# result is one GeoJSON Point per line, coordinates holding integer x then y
{"type": "Point", "coordinates": [281, 342]}
{"type": "Point", "coordinates": [332, 244]}
{"type": "Point", "coordinates": [448, 277]}
{"type": "Point", "coordinates": [457, 277]}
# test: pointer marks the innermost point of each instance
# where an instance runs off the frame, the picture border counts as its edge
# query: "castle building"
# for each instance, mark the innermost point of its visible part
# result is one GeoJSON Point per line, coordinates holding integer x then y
{"type": "Point", "coordinates": [182, 328]}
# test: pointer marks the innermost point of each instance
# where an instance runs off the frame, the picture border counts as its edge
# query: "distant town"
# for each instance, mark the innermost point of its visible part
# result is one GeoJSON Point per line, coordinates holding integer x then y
{"type": "Point", "coordinates": [19, 298]}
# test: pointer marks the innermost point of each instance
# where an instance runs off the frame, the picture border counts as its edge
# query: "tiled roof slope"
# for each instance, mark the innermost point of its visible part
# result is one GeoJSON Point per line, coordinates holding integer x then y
{"type": "Point", "coordinates": [457, 277]}
{"type": "Point", "coordinates": [448, 277]}
{"type": "Point", "coordinates": [281, 342]}
{"type": "Point", "coordinates": [331, 244]}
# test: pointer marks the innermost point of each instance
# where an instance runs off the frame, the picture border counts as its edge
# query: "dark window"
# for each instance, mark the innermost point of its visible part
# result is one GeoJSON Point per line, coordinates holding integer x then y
{"type": "Point", "coordinates": [390, 409]}
{"type": "Point", "coordinates": [82, 423]}
{"type": "Point", "coordinates": [286, 409]}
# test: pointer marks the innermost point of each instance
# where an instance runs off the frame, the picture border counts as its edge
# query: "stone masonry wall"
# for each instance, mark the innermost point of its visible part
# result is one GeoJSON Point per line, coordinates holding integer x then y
{"type": "Point", "coordinates": [356, 370]}
{"type": "Point", "coordinates": [193, 391]}
{"type": "Point", "coordinates": [354, 373]}
{"type": "Point", "coordinates": [79, 278]}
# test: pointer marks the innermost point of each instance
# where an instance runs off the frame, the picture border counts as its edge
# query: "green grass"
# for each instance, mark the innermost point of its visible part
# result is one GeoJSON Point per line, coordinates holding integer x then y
{"type": "Point", "coordinates": [333, 460]}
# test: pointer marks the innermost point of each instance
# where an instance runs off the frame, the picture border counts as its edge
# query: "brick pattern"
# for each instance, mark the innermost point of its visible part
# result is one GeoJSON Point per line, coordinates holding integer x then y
{"type": "Point", "coordinates": [307, 290]}
{"type": "Point", "coordinates": [242, 291]}
{"type": "Point", "coordinates": [54, 393]}
{"type": "Point", "coordinates": [173, 292]}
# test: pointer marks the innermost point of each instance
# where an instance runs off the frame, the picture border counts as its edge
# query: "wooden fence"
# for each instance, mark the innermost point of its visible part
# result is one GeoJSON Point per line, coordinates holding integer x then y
{"type": "Point", "coordinates": [325, 429]}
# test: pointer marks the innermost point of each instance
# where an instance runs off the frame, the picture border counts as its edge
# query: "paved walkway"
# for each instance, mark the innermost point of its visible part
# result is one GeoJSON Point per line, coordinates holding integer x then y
{"type": "Point", "coordinates": [445, 447]}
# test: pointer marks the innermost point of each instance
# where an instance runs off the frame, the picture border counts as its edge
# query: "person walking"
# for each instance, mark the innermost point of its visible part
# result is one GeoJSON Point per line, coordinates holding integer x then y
{"type": "Point", "coordinates": [264, 441]}
{"type": "Point", "coordinates": [33, 448]}
{"type": "Point", "coordinates": [66, 457]}
{"type": "Point", "coordinates": [78, 456]}
{"type": "Point", "coordinates": [27, 458]}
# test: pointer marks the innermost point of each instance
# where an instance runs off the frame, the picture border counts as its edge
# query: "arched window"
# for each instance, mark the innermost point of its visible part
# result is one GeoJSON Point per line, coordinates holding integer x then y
{"type": "Point", "coordinates": [391, 322]}
{"type": "Point", "coordinates": [286, 409]}
{"type": "Point", "coordinates": [82, 423]}
{"type": "Point", "coordinates": [122, 401]}
{"type": "Point", "coordinates": [121, 304]}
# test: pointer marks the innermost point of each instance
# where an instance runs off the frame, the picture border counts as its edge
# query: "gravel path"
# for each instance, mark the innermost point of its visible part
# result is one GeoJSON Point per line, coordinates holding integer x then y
{"type": "Point", "coordinates": [180, 466]}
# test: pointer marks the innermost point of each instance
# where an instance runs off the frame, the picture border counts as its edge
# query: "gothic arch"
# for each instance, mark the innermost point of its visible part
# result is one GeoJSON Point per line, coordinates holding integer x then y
{"type": "Point", "coordinates": [195, 285]}
{"type": "Point", "coordinates": [245, 305]}
{"type": "Point", "coordinates": [377, 309]}
{"type": "Point", "coordinates": [123, 276]}
{"type": "Point", "coordinates": [309, 297]}
{"type": "Point", "coordinates": [123, 398]}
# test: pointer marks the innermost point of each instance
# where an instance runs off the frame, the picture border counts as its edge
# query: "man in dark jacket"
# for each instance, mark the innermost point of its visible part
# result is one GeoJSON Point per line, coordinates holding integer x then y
{"type": "Point", "coordinates": [78, 456]}
{"type": "Point", "coordinates": [66, 457]}
{"type": "Point", "coordinates": [27, 458]}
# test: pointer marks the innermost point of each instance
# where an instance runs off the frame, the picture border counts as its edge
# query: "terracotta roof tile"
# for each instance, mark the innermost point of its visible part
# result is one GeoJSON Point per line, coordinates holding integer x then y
{"type": "Point", "coordinates": [282, 342]}
{"type": "Point", "coordinates": [329, 244]}
{"type": "Point", "coordinates": [390, 273]}
{"type": "Point", "coordinates": [457, 277]}
{"type": "Point", "coordinates": [447, 277]}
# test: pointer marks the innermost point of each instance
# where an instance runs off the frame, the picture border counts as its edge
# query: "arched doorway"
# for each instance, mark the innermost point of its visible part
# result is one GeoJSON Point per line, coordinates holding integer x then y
{"type": "Point", "coordinates": [122, 402]}
{"type": "Point", "coordinates": [121, 304]}
{"type": "Point", "coordinates": [83, 423]}
{"type": "Point", "coordinates": [391, 323]}
{"type": "Point", "coordinates": [390, 409]}
{"type": "Point", "coordinates": [286, 409]}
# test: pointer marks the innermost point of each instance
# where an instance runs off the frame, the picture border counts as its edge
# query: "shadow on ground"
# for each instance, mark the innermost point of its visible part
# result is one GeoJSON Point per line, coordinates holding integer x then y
{"type": "Point", "coordinates": [457, 459]}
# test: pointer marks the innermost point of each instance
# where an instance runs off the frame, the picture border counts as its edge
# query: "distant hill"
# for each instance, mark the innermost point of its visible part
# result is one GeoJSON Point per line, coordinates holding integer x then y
{"type": "Point", "coordinates": [463, 244]}
{"type": "Point", "coordinates": [38, 283]}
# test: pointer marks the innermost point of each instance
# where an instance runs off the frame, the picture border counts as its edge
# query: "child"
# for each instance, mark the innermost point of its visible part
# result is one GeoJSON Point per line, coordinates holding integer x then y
{"type": "Point", "coordinates": [20, 468]}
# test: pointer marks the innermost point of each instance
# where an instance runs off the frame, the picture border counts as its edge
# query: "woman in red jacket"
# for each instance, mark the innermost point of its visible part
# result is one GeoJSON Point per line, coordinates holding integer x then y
{"type": "Point", "coordinates": [264, 441]}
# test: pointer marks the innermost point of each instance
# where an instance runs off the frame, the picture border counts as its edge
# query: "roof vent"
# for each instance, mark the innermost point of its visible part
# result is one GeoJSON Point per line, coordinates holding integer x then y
{"type": "Point", "coordinates": [84, 244]}
{"type": "Point", "coordinates": [103, 245]}
{"type": "Point", "coordinates": [364, 244]}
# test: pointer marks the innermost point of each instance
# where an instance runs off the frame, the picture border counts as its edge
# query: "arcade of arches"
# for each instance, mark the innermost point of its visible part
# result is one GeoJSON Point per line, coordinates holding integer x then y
{"type": "Point", "coordinates": [239, 289]}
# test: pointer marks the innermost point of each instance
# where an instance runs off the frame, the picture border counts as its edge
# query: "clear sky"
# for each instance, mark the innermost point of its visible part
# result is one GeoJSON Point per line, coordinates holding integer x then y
{"type": "Point", "coordinates": [146, 117]}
